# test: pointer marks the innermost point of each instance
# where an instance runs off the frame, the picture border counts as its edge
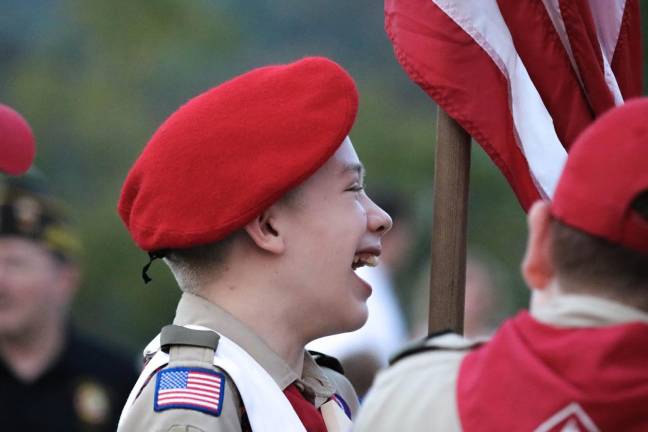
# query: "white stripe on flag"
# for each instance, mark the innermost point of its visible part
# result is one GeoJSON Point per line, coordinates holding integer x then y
{"type": "Point", "coordinates": [607, 16]}
{"type": "Point", "coordinates": [203, 376]}
{"type": "Point", "coordinates": [534, 130]}
{"type": "Point", "coordinates": [185, 400]}
{"type": "Point", "coordinates": [203, 381]}
{"type": "Point", "coordinates": [211, 387]}
{"type": "Point", "coordinates": [168, 396]}
{"type": "Point", "coordinates": [196, 391]}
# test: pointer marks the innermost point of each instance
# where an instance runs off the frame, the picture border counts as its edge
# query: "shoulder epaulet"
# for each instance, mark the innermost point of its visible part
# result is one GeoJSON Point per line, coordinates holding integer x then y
{"type": "Point", "coordinates": [445, 340]}
{"type": "Point", "coordinates": [326, 361]}
{"type": "Point", "coordinates": [178, 335]}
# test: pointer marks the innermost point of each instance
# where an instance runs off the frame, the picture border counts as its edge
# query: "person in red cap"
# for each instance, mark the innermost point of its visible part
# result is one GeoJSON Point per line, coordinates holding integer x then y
{"type": "Point", "coordinates": [577, 361]}
{"type": "Point", "coordinates": [253, 195]}
{"type": "Point", "coordinates": [17, 148]}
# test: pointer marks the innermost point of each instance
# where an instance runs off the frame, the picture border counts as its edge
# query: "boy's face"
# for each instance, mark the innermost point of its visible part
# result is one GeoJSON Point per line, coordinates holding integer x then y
{"type": "Point", "coordinates": [330, 224]}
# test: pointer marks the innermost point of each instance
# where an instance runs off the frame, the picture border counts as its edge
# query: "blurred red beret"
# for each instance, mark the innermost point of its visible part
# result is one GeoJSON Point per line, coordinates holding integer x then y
{"type": "Point", "coordinates": [606, 170]}
{"type": "Point", "coordinates": [17, 148]}
{"type": "Point", "coordinates": [231, 152]}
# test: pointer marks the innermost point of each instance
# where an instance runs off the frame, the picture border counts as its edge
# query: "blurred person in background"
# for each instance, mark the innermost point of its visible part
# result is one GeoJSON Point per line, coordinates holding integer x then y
{"type": "Point", "coordinates": [364, 351]}
{"type": "Point", "coordinates": [16, 142]}
{"type": "Point", "coordinates": [51, 378]}
{"type": "Point", "coordinates": [483, 304]}
{"type": "Point", "coordinates": [483, 301]}
{"type": "Point", "coordinates": [577, 361]}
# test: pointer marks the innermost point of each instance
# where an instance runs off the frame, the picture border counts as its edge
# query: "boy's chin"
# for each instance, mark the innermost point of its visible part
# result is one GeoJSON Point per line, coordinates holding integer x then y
{"type": "Point", "coordinates": [353, 321]}
{"type": "Point", "coordinates": [349, 321]}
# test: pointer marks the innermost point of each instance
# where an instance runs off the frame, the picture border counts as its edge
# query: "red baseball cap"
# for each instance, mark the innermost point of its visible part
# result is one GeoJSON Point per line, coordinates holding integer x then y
{"type": "Point", "coordinates": [606, 170]}
{"type": "Point", "coordinates": [17, 147]}
{"type": "Point", "coordinates": [231, 152]}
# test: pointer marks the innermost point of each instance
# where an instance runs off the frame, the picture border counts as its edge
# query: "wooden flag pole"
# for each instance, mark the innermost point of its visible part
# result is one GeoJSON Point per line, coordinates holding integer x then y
{"type": "Point", "coordinates": [448, 249]}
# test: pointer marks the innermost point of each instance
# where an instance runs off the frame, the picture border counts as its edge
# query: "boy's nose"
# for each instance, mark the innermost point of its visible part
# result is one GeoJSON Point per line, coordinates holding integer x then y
{"type": "Point", "coordinates": [379, 220]}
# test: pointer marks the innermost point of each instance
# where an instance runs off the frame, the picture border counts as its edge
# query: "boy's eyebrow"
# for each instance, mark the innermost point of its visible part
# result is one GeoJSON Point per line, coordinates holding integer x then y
{"type": "Point", "coordinates": [354, 167]}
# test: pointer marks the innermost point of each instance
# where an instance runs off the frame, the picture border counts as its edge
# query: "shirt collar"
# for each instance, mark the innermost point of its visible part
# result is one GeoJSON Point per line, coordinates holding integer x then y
{"type": "Point", "coordinates": [586, 311]}
{"type": "Point", "coordinates": [193, 309]}
{"type": "Point", "coordinates": [315, 381]}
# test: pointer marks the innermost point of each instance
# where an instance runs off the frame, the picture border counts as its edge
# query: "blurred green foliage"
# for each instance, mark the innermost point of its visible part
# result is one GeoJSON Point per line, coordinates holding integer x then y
{"type": "Point", "coordinates": [95, 78]}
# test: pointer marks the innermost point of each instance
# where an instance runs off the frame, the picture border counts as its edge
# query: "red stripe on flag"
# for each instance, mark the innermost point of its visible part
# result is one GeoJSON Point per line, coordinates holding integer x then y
{"type": "Point", "coordinates": [167, 396]}
{"type": "Point", "coordinates": [548, 65]}
{"type": "Point", "coordinates": [204, 376]}
{"type": "Point", "coordinates": [196, 391]}
{"type": "Point", "coordinates": [203, 381]}
{"type": "Point", "coordinates": [186, 401]}
{"type": "Point", "coordinates": [203, 387]}
{"type": "Point", "coordinates": [580, 29]}
{"type": "Point", "coordinates": [627, 62]}
{"type": "Point", "coordinates": [461, 77]}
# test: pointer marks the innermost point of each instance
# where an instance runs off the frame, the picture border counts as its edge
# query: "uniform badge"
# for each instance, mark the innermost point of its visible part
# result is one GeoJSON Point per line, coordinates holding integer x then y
{"type": "Point", "coordinates": [27, 213]}
{"type": "Point", "coordinates": [190, 388]}
{"type": "Point", "coordinates": [92, 403]}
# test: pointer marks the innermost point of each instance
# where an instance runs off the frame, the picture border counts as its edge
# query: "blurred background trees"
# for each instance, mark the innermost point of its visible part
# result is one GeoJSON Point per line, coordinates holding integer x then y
{"type": "Point", "coordinates": [95, 78]}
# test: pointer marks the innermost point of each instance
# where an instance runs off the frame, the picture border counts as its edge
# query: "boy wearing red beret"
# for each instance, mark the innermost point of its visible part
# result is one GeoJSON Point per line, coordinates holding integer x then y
{"type": "Point", "coordinates": [577, 361]}
{"type": "Point", "coordinates": [252, 193]}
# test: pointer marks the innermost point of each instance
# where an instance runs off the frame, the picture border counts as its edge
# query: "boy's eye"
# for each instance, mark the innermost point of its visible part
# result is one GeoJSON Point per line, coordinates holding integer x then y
{"type": "Point", "coordinates": [355, 188]}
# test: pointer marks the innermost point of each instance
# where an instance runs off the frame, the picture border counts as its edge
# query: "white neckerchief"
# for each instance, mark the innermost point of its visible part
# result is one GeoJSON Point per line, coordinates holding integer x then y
{"type": "Point", "coordinates": [579, 310]}
{"type": "Point", "coordinates": [267, 407]}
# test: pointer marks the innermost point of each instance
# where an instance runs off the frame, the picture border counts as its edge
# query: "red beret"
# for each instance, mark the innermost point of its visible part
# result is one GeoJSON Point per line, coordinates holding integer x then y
{"type": "Point", "coordinates": [231, 152]}
{"type": "Point", "coordinates": [16, 142]}
{"type": "Point", "coordinates": [607, 169]}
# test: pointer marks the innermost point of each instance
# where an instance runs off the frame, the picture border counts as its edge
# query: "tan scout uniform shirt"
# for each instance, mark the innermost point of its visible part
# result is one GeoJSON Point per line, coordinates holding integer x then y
{"type": "Point", "coordinates": [317, 384]}
{"type": "Point", "coordinates": [418, 393]}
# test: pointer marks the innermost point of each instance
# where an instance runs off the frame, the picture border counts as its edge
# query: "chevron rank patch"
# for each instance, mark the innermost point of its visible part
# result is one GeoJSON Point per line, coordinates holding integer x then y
{"type": "Point", "coordinates": [190, 388]}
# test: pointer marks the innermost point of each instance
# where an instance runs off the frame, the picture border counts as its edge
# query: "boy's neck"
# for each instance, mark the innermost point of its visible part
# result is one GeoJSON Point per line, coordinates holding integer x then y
{"type": "Point", "coordinates": [266, 315]}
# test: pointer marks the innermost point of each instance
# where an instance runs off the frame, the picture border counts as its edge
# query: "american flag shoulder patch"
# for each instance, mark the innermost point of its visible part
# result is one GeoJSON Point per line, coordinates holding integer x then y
{"type": "Point", "coordinates": [196, 389]}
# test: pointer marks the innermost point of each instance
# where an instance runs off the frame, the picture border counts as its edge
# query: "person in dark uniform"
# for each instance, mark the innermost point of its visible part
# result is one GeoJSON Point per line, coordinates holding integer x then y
{"type": "Point", "coordinates": [51, 377]}
{"type": "Point", "coordinates": [253, 194]}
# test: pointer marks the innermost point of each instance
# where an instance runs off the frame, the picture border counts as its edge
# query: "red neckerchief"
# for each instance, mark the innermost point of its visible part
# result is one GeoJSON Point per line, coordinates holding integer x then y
{"type": "Point", "coordinates": [533, 376]}
{"type": "Point", "coordinates": [310, 416]}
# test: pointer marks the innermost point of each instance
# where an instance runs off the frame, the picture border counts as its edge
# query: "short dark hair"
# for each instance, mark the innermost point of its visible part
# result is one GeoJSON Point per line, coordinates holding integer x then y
{"type": "Point", "coordinates": [191, 265]}
{"type": "Point", "coordinates": [598, 266]}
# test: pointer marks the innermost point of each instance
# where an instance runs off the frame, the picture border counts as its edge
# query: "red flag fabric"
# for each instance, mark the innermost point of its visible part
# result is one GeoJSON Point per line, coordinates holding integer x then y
{"type": "Point", "coordinates": [523, 77]}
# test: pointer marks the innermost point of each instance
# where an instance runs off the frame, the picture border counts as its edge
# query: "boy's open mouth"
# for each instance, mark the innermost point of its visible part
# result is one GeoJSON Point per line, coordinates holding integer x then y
{"type": "Point", "coordinates": [364, 259]}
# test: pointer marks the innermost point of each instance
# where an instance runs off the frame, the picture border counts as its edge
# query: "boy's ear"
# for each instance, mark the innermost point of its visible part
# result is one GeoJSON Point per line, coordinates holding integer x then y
{"type": "Point", "coordinates": [537, 267]}
{"type": "Point", "coordinates": [264, 233]}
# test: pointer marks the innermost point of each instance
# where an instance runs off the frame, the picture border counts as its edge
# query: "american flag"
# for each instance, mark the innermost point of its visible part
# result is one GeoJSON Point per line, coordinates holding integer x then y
{"type": "Point", "coordinates": [523, 77]}
{"type": "Point", "coordinates": [190, 388]}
